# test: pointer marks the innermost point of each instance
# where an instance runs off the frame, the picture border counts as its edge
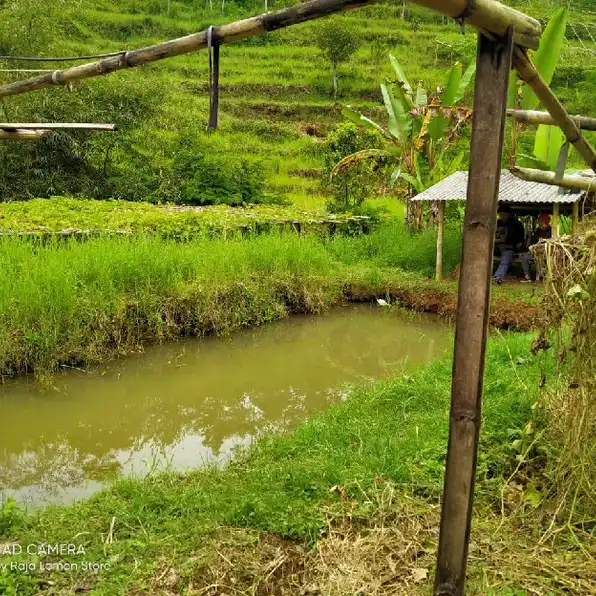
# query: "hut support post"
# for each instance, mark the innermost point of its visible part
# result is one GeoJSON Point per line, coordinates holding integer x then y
{"type": "Point", "coordinates": [492, 80]}
{"type": "Point", "coordinates": [575, 219]}
{"type": "Point", "coordinates": [555, 224]}
{"type": "Point", "coordinates": [440, 237]}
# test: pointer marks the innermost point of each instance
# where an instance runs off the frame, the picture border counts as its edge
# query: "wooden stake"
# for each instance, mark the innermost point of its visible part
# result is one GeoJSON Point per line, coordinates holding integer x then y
{"type": "Point", "coordinates": [555, 224]}
{"type": "Point", "coordinates": [440, 237]}
{"type": "Point", "coordinates": [574, 182]}
{"type": "Point", "coordinates": [530, 75]}
{"type": "Point", "coordinates": [486, 15]}
{"type": "Point", "coordinates": [536, 118]}
{"type": "Point", "coordinates": [575, 219]}
{"type": "Point", "coordinates": [490, 103]}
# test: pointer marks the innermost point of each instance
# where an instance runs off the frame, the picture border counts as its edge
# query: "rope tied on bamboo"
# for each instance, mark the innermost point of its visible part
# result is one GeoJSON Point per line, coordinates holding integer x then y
{"type": "Point", "coordinates": [213, 53]}
{"type": "Point", "coordinates": [468, 10]}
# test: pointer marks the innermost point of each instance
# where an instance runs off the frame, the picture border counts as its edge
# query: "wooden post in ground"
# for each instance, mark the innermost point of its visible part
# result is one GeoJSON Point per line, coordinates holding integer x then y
{"type": "Point", "coordinates": [575, 219]}
{"type": "Point", "coordinates": [555, 222]}
{"type": "Point", "coordinates": [440, 237]}
{"type": "Point", "coordinates": [490, 103]}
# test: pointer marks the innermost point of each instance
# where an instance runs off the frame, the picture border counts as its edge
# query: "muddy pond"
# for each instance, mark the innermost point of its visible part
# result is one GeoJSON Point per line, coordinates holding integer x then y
{"type": "Point", "coordinates": [183, 405]}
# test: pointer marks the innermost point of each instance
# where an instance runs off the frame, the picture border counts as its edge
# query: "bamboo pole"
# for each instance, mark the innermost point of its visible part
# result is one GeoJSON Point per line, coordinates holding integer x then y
{"type": "Point", "coordinates": [492, 17]}
{"type": "Point", "coordinates": [22, 135]}
{"type": "Point", "coordinates": [486, 15]}
{"type": "Point", "coordinates": [533, 117]}
{"type": "Point", "coordinates": [440, 238]}
{"type": "Point", "coordinates": [488, 128]}
{"type": "Point", "coordinates": [555, 224]}
{"type": "Point", "coordinates": [55, 126]}
{"type": "Point", "coordinates": [575, 219]}
{"type": "Point", "coordinates": [572, 182]}
{"type": "Point", "coordinates": [530, 75]}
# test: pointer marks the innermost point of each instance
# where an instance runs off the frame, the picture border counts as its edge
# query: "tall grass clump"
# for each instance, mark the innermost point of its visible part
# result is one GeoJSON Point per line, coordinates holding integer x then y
{"type": "Point", "coordinates": [69, 302]}
{"type": "Point", "coordinates": [570, 326]}
{"type": "Point", "coordinates": [393, 245]}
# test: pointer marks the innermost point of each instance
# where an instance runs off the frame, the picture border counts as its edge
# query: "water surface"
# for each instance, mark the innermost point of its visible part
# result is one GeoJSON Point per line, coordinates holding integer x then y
{"type": "Point", "coordinates": [183, 404]}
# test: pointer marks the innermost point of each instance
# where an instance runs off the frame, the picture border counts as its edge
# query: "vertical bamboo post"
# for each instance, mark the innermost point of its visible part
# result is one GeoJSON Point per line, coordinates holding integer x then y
{"type": "Point", "coordinates": [575, 219]}
{"type": "Point", "coordinates": [488, 125]}
{"type": "Point", "coordinates": [440, 237]}
{"type": "Point", "coordinates": [555, 225]}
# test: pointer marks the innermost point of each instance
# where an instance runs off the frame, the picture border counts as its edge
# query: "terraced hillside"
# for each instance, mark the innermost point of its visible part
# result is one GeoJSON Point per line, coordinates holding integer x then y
{"type": "Point", "coordinates": [276, 91]}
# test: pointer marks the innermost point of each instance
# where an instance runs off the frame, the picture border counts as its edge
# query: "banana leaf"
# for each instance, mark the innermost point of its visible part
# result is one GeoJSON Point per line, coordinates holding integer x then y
{"type": "Point", "coordinates": [547, 56]}
{"type": "Point", "coordinates": [400, 121]}
{"type": "Point", "coordinates": [547, 144]}
{"type": "Point", "coordinates": [465, 82]}
{"type": "Point", "coordinates": [357, 157]}
{"type": "Point", "coordinates": [401, 77]}
{"type": "Point", "coordinates": [453, 80]}
{"type": "Point", "coordinates": [529, 161]}
{"type": "Point", "coordinates": [358, 118]}
{"type": "Point", "coordinates": [421, 96]}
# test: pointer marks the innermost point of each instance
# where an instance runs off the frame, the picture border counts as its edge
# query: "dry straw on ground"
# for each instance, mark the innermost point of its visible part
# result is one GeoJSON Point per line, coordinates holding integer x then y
{"type": "Point", "coordinates": [570, 326]}
{"type": "Point", "coordinates": [382, 544]}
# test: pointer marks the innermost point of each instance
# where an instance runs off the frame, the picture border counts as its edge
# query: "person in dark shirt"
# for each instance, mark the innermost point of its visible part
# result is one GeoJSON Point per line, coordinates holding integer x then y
{"type": "Point", "coordinates": [544, 231]}
{"type": "Point", "coordinates": [509, 239]}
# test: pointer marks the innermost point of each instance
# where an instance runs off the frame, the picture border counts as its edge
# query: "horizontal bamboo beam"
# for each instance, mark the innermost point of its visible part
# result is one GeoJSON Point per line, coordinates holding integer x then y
{"type": "Point", "coordinates": [536, 118]}
{"type": "Point", "coordinates": [56, 126]}
{"type": "Point", "coordinates": [486, 15]}
{"type": "Point", "coordinates": [573, 182]}
{"type": "Point", "coordinates": [22, 135]}
{"type": "Point", "coordinates": [492, 17]}
{"type": "Point", "coordinates": [530, 75]}
{"type": "Point", "coordinates": [237, 30]}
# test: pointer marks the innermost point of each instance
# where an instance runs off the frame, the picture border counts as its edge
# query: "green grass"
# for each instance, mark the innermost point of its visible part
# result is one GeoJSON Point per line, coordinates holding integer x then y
{"type": "Point", "coordinates": [65, 302]}
{"type": "Point", "coordinates": [272, 88]}
{"type": "Point", "coordinates": [63, 214]}
{"type": "Point", "coordinates": [392, 431]}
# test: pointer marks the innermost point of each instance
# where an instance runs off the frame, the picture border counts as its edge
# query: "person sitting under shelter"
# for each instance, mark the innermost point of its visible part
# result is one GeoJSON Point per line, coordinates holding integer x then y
{"type": "Point", "coordinates": [509, 239]}
{"type": "Point", "coordinates": [544, 231]}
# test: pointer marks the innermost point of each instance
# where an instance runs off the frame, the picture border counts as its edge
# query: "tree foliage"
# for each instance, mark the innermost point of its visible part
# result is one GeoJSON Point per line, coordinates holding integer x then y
{"type": "Point", "coordinates": [338, 41]}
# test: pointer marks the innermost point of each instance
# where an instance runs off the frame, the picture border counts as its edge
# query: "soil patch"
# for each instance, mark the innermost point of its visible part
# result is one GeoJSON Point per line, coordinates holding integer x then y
{"type": "Point", "coordinates": [505, 313]}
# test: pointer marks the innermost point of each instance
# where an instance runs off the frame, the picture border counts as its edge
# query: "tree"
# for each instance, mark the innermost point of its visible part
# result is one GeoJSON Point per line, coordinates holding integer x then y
{"type": "Point", "coordinates": [350, 187]}
{"type": "Point", "coordinates": [338, 42]}
{"type": "Point", "coordinates": [421, 127]}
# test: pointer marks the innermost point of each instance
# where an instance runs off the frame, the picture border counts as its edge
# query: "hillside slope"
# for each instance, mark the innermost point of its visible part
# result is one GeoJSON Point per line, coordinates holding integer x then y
{"type": "Point", "coordinates": [276, 99]}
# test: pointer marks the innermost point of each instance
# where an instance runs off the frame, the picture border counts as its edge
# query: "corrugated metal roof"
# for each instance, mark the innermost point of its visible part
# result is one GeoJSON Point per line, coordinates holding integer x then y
{"type": "Point", "coordinates": [511, 190]}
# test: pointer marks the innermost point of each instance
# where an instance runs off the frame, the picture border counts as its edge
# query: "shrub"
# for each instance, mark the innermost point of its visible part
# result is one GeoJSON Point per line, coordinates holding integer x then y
{"type": "Point", "coordinates": [205, 179]}
{"type": "Point", "coordinates": [93, 164]}
{"type": "Point", "coordinates": [351, 186]}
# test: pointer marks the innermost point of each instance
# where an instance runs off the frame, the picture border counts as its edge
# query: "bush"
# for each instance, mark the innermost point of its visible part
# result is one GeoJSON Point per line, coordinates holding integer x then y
{"type": "Point", "coordinates": [205, 179]}
{"type": "Point", "coordinates": [92, 164]}
{"type": "Point", "coordinates": [351, 186]}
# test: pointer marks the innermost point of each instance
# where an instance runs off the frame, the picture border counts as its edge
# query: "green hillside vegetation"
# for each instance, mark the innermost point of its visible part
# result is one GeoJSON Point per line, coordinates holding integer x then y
{"type": "Point", "coordinates": [276, 96]}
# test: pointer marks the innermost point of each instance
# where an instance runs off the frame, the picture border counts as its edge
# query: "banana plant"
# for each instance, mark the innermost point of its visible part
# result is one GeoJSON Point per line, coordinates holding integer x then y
{"type": "Point", "coordinates": [420, 127]}
{"type": "Point", "coordinates": [550, 148]}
